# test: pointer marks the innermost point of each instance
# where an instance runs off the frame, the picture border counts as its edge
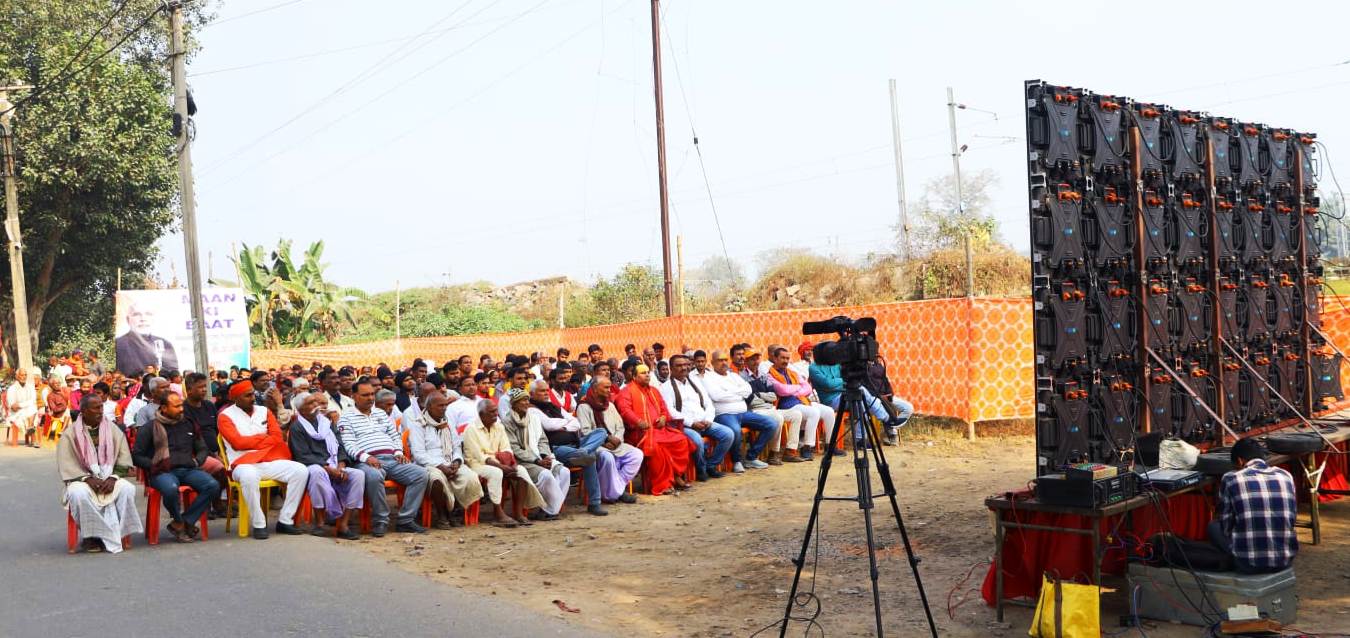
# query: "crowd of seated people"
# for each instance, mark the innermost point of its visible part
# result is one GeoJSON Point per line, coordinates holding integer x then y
{"type": "Point", "coordinates": [525, 432]}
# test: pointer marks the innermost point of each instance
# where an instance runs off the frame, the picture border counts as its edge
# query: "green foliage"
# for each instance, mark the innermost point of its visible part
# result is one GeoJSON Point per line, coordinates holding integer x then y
{"type": "Point", "coordinates": [940, 226]}
{"type": "Point", "coordinates": [290, 305]}
{"type": "Point", "coordinates": [70, 338]}
{"type": "Point", "coordinates": [95, 158]}
{"type": "Point", "coordinates": [432, 312]}
{"type": "Point", "coordinates": [635, 293]}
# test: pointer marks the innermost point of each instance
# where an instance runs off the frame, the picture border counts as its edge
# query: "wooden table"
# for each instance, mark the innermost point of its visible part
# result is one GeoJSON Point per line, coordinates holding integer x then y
{"type": "Point", "coordinates": [1312, 471]}
{"type": "Point", "coordinates": [1000, 504]}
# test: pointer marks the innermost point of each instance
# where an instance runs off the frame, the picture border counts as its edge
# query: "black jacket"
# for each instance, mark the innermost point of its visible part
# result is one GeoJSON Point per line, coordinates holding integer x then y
{"type": "Point", "coordinates": [205, 420]}
{"type": "Point", "coordinates": [306, 450]}
{"type": "Point", "coordinates": [186, 448]}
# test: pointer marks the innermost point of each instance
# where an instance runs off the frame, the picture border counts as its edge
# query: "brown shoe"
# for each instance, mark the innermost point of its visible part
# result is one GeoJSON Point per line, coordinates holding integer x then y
{"type": "Point", "coordinates": [775, 459]}
{"type": "Point", "coordinates": [793, 457]}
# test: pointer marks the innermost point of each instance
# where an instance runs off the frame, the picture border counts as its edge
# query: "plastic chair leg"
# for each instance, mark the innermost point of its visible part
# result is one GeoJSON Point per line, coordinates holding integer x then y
{"type": "Point", "coordinates": [152, 505]}
{"type": "Point", "coordinates": [244, 525]}
{"type": "Point", "coordinates": [471, 513]}
{"type": "Point", "coordinates": [188, 497]}
{"type": "Point", "coordinates": [426, 511]}
{"type": "Point", "coordinates": [305, 515]}
{"type": "Point", "coordinates": [72, 533]}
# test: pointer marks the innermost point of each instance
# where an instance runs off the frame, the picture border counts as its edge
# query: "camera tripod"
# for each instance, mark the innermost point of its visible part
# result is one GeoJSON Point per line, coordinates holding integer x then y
{"type": "Point", "coordinates": [864, 437]}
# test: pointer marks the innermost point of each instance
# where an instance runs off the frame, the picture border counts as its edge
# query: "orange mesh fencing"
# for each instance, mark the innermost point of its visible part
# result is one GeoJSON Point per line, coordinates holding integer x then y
{"type": "Point", "coordinates": [965, 358]}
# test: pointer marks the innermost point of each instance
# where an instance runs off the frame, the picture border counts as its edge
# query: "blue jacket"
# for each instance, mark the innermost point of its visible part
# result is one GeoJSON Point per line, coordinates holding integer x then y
{"type": "Point", "coordinates": [827, 382]}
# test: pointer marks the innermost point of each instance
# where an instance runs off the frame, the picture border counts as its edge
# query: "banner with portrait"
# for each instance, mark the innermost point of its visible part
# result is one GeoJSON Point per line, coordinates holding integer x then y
{"type": "Point", "coordinates": [154, 328]}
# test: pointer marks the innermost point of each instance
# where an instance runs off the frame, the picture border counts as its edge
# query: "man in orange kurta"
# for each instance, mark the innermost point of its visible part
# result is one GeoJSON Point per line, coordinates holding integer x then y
{"type": "Point", "coordinates": [647, 426]}
{"type": "Point", "coordinates": [257, 451]}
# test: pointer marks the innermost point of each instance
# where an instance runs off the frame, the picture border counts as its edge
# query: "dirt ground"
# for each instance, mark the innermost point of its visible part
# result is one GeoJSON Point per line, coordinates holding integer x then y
{"type": "Point", "coordinates": [715, 561]}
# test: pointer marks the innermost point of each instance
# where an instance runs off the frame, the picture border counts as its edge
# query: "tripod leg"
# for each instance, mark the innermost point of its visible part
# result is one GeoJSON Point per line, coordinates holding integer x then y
{"type": "Point", "coordinates": [860, 466]}
{"type": "Point", "coordinates": [888, 484]}
{"type": "Point", "coordinates": [800, 561]}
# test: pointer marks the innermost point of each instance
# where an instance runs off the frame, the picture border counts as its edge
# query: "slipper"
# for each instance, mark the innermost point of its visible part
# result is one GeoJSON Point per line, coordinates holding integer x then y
{"type": "Point", "coordinates": [506, 524]}
{"type": "Point", "coordinates": [524, 522]}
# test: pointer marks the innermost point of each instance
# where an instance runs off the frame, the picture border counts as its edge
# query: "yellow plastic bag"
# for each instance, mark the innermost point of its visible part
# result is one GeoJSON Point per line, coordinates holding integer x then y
{"type": "Point", "coordinates": [1066, 610]}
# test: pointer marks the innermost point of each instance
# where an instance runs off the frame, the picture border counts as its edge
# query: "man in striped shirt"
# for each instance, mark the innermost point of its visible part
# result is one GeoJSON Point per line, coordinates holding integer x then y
{"type": "Point", "coordinates": [1257, 506]}
{"type": "Point", "coordinates": [370, 437]}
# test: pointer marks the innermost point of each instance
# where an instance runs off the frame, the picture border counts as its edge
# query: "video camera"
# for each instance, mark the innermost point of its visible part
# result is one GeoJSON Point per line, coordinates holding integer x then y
{"type": "Point", "coordinates": [855, 348]}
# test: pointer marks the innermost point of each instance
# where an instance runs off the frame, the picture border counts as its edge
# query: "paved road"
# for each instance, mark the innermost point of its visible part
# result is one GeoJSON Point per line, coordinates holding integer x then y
{"type": "Point", "coordinates": [227, 587]}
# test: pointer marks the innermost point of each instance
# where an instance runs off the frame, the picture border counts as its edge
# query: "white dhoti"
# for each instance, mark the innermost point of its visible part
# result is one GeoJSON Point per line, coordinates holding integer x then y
{"type": "Point", "coordinates": [464, 489]}
{"type": "Point", "coordinates": [294, 475]}
{"type": "Point", "coordinates": [493, 477]}
{"type": "Point", "coordinates": [107, 517]}
{"type": "Point", "coordinates": [553, 483]}
{"type": "Point", "coordinates": [789, 422]}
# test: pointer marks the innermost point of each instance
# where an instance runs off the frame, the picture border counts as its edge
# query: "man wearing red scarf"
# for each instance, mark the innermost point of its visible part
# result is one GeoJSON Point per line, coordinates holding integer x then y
{"type": "Point", "coordinates": [647, 426]}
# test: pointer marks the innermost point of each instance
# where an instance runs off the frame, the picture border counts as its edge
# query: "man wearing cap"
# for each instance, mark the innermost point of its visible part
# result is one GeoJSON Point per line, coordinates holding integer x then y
{"type": "Point", "coordinates": [370, 437]}
{"type": "Point", "coordinates": [257, 451]}
{"type": "Point", "coordinates": [530, 446]}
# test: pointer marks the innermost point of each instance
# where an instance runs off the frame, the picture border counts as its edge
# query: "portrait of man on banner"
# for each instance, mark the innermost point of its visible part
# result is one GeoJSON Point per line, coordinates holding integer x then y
{"type": "Point", "coordinates": [139, 347]}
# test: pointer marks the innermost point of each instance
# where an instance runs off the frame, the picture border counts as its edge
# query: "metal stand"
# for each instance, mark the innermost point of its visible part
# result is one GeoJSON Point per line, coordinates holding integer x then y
{"type": "Point", "coordinates": [864, 437]}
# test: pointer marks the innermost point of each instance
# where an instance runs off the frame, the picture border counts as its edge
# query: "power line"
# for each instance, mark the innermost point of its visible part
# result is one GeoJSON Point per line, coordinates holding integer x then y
{"type": "Point", "coordinates": [370, 151]}
{"type": "Point", "coordinates": [40, 89]}
{"type": "Point", "coordinates": [353, 47]}
{"type": "Point", "coordinates": [689, 113]}
{"type": "Point", "coordinates": [367, 72]}
{"type": "Point", "coordinates": [255, 12]}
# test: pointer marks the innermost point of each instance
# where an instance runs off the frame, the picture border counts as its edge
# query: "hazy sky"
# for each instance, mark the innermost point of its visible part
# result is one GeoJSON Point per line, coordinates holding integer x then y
{"type": "Point", "coordinates": [515, 138]}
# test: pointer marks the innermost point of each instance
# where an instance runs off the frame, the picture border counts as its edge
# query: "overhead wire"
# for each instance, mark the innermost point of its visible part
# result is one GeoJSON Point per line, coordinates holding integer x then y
{"type": "Point", "coordinates": [421, 126]}
{"type": "Point", "coordinates": [274, 7]}
{"type": "Point", "coordinates": [60, 81]}
{"type": "Point", "coordinates": [365, 104]}
{"type": "Point", "coordinates": [698, 150]}
{"type": "Point", "coordinates": [344, 87]}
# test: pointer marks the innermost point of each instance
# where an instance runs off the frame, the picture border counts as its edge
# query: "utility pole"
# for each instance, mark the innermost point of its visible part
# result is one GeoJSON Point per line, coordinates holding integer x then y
{"type": "Point", "coordinates": [661, 157]}
{"type": "Point", "coordinates": [960, 201]}
{"type": "Point", "coordinates": [23, 342]}
{"type": "Point", "coordinates": [562, 302]}
{"type": "Point", "coordinates": [188, 195]}
{"type": "Point", "coordinates": [679, 268]}
{"type": "Point", "coordinates": [899, 173]}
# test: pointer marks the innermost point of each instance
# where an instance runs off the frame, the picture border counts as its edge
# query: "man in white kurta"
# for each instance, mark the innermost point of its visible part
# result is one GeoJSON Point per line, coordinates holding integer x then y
{"type": "Point", "coordinates": [21, 400]}
{"type": "Point", "coordinates": [257, 451]}
{"type": "Point", "coordinates": [92, 459]}
{"type": "Point", "coordinates": [435, 445]}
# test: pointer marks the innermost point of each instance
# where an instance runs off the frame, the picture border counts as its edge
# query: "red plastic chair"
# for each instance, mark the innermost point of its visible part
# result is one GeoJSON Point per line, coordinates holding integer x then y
{"type": "Point", "coordinates": [365, 508]}
{"type": "Point", "coordinates": [73, 536]}
{"type": "Point", "coordinates": [153, 502]}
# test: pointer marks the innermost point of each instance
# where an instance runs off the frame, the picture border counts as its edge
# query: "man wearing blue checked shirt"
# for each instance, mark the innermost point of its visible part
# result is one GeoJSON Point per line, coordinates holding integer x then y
{"type": "Point", "coordinates": [1255, 518]}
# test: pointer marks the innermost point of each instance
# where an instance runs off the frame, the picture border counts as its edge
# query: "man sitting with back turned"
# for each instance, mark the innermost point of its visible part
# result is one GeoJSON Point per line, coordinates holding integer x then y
{"type": "Point", "coordinates": [1254, 522]}
{"type": "Point", "coordinates": [371, 438]}
{"type": "Point", "coordinates": [257, 451]}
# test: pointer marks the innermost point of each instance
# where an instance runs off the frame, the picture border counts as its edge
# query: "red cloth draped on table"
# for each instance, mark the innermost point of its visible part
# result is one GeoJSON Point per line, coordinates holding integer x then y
{"type": "Point", "coordinates": [1027, 554]}
{"type": "Point", "coordinates": [1333, 477]}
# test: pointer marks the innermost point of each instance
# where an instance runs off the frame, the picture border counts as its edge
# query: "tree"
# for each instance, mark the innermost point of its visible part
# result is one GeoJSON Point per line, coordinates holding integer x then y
{"type": "Point", "coordinates": [290, 305]}
{"type": "Point", "coordinates": [94, 155]}
{"type": "Point", "coordinates": [636, 292]}
{"type": "Point", "coordinates": [941, 226]}
{"type": "Point", "coordinates": [717, 275]}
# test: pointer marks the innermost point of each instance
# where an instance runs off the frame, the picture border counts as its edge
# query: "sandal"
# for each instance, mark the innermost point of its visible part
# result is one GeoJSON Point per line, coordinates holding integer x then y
{"type": "Point", "coordinates": [509, 524]}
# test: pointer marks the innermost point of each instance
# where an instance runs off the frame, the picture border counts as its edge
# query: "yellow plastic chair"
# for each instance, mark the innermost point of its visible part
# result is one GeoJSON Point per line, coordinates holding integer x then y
{"type": "Point", "coordinates": [264, 490]}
